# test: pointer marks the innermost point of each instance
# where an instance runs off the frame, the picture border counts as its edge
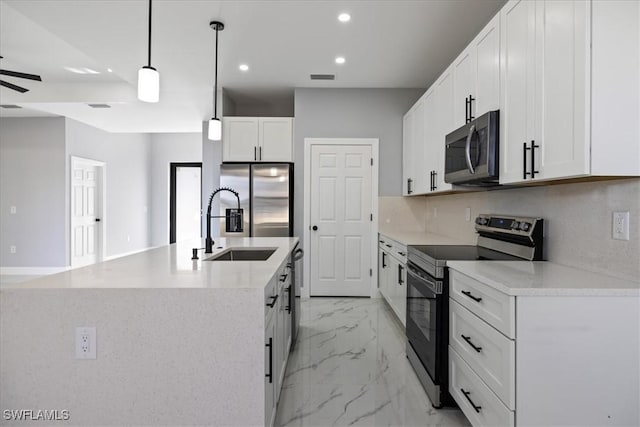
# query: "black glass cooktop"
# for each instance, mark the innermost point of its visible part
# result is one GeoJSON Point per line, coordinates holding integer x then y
{"type": "Point", "coordinates": [462, 253]}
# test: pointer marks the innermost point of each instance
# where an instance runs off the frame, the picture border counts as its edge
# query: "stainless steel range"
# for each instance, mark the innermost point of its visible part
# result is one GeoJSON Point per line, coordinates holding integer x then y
{"type": "Point", "coordinates": [500, 237]}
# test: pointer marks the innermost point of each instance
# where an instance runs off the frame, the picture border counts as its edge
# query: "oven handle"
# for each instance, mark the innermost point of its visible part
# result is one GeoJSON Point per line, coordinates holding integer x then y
{"type": "Point", "coordinates": [432, 285]}
{"type": "Point", "coordinates": [467, 149]}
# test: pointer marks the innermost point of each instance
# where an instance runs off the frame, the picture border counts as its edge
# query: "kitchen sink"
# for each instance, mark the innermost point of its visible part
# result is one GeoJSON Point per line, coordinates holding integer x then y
{"type": "Point", "coordinates": [243, 254]}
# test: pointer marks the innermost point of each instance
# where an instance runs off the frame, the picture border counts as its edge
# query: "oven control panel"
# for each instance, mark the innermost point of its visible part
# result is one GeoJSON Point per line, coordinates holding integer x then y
{"type": "Point", "coordinates": [518, 226]}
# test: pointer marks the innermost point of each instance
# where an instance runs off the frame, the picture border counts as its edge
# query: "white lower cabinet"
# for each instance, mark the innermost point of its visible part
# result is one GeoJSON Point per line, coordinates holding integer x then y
{"type": "Point", "coordinates": [277, 335]}
{"type": "Point", "coordinates": [550, 360]}
{"type": "Point", "coordinates": [392, 275]}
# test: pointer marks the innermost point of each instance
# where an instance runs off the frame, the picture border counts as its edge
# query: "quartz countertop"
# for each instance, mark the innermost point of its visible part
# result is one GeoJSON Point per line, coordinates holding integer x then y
{"type": "Point", "coordinates": [171, 267]}
{"type": "Point", "coordinates": [544, 278]}
{"type": "Point", "coordinates": [419, 238]}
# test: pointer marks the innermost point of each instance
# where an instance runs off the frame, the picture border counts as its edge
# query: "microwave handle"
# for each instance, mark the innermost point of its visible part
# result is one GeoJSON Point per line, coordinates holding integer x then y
{"type": "Point", "coordinates": [467, 149]}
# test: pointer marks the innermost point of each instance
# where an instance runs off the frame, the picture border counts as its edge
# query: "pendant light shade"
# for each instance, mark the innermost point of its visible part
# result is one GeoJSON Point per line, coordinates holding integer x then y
{"type": "Point", "coordinates": [148, 84]}
{"type": "Point", "coordinates": [215, 129]}
{"type": "Point", "coordinates": [148, 77]}
{"type": "Point", "coordinates": [215, 125]}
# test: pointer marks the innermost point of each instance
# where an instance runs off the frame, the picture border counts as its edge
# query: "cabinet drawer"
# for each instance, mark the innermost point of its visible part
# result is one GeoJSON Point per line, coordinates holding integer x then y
{"type": "Point", "coordinates": [487, 351]}
{"type": "Point", "coordinates": [469, 391]}
{"type": "Point", "coordinates": [494, 307]}
{"type": "Point", "coordinates": [395, 248]}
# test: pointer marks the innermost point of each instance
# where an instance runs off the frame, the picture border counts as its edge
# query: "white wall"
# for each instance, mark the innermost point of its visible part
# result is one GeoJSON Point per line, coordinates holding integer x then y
{"type": "Point", "coordinates": [32, 178]}
{"type": "Point", "coordinates": [128, 183]}
{"type": "Point", "coordinates": [166, 149]}
{"type": "Point", "coordinates": [578, 221]}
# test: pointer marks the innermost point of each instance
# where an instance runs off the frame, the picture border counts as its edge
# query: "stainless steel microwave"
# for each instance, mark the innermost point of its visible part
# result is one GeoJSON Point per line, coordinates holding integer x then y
{"type": "Point", "coordinates": [472, 152]}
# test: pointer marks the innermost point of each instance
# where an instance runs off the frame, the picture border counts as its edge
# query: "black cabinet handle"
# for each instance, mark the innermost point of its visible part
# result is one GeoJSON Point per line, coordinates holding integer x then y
{"type": "Point", "coordinates": [270, 374]}
{"type": "Point", "coordinates": [466, 394]}
{"type": "Point", "coordinates": [288, 289]}
{"type": "Point", "coordinates": [273, 303]}
{"type": "Point", "coordinates": [409, 189]}
{"type": "Point", "coordinates": [255, 153]}
{"type": "Point", "coordinates": [471, 99]}
{"type": "Point", "coordinates": [533, 159]}
{"type": "Point", "coordinates": [384, 265]}
{"type": "Point", "coordinates": [524, 160]}
{"type": "Point", "coordinates": [387, 245]}
{"type": "Point", "coordinates": [466, 110]}
{"type": "Point", "coordinates": [468, 340]}
{"type": "Point", "coordinates": [402, 254]}
{"type": "Point", "coordinates": [476, 299]}
{"type": "Point", "coordinates": [400, 281]}
{"type": "Point", "coordinates": [259, 153]}
{"type": "Point", "coordinates": [283, 277]}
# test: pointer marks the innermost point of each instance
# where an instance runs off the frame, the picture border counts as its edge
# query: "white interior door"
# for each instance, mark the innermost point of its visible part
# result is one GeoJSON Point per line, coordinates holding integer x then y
{"type": "Point", "coordinates": [188, 200]}
{"type": "Point", "coordinates": [340, 212]}
{"type": "Point", "coordinates": [86, 230]}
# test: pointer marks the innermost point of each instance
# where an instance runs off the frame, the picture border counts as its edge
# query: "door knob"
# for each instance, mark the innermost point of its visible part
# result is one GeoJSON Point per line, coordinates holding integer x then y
{"type": "Point", "coordinates": [97, 219]}
{"type": "Point", "coordinates": [314, 228]}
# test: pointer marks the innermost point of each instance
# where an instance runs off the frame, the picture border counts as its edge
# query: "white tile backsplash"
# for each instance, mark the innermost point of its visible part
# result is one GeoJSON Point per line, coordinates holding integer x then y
{"type": "Point", "coordinates": [402, 213]}
{"type": "Point", "coordinates": [578, 220]}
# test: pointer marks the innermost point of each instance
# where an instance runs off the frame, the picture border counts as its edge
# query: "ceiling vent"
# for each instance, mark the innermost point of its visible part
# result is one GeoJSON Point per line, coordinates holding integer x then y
{"type": "Point", "coordinates": [99, 105]}
{"type": "Point", "coordinates": [323, 76]}
{"type": "Point", "coordinates": [10, 106]}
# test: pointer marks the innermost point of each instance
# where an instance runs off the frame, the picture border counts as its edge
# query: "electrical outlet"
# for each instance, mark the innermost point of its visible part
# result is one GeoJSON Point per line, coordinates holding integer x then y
{"type": "Point", "coordinates": [13, 249]}
{"type": "Point", "coordinates": [467, 214]}
{"type": "Point", "coordinates": [86, 342]}
{"type": "Point", "coordinates": [621, 225]}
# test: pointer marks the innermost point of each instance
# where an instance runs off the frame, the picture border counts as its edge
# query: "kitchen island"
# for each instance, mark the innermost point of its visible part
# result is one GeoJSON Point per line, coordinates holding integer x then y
{"type": "Point", "coordinates": [178, 341]}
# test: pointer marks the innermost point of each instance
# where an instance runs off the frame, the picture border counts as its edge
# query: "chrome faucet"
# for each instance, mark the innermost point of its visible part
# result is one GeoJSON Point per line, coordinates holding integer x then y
{"type": "Point", "coordinates": [233, 216]}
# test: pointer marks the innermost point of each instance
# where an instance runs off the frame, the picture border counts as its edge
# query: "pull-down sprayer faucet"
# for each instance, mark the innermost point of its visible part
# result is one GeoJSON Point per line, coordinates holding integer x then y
{"type": "Point", "coordinates": [233, 216]}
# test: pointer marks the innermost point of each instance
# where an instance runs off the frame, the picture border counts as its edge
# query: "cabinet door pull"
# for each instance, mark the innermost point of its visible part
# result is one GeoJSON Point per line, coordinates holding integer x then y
{"type": "Point", "coordinates": [468, 340]}
{"type": "Point", "coordinates": [466, 394]}
{"type": "Point", "coordinates": [524, 160]}
{"type": "Point", "coordinates": [255, 153]}
{"type": "Point", "coordinates": [259, 153]}
{"type": "Point", "coordinates": [384, 265]}
{"type": "Point", "coordinates": [288, 291]}
{"type": "Point", "coordinates": [471, 99]}
{"type": "Point", "coordinates": [409, 182]}
{"type": "Point", "coordinates": [466, 110]}
{"type": "Point", "coordinates": [476, 299]}
{"type": "Point", "coordinates": [273, 303]}
{"type": "Point", "coordinates": [435, 180]}
{"type": "Point", "coordinates": [533, 159]}
{"type": "Point", "coordinates": [400, 281]}
{"type": "Point", "coordinates": [283, 277]}
{"type": "Point", "coordinates": [270, 374]}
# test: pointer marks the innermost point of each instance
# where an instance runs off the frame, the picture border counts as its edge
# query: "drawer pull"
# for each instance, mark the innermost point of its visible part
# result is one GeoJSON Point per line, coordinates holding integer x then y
{"type": "Point", "coordinates": [468, 340]}
{"type": "Point", "coordinates": [402, 254]}
{"type": "Point", "coordinates": [388, 245]}
{"type": "Point", "coordinates": [273, 302]}
{"type": "Point", "coordinates": [466, 394]}
{"type": "Point", "coordinates": [476, 299]}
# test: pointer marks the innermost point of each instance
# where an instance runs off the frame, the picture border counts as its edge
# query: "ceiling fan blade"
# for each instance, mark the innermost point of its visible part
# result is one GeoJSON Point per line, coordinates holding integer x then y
{"type": "Point", "coordinates": [14, 87]}
{"type": "Point", "coordinates": [21, 75]}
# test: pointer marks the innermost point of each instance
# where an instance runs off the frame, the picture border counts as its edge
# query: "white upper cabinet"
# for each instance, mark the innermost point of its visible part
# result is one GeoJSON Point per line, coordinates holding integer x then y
{"type": "Point", "coordinates": [444, 113]}
{"type": "Point", "coordinates": [407, 153]}
{"type": "Point", "coordinates": [570, 79]}
{"type": "Point", "coordinates": [476, 75]}
{"type": "Point", "coordinates": [257, 139]}
{"type": "Point", "coordinates": [419, 171]}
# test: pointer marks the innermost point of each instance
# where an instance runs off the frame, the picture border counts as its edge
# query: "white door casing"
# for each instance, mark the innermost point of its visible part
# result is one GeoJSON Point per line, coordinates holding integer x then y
{"type": "Point", "coordinates": [341, 189]}
{"type": "Point", "coordinates": [87, 206]}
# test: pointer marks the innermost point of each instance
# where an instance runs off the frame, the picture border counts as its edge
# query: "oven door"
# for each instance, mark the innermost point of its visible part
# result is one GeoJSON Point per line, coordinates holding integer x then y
{"type": "Point", "coordinates": [424, 318]}
{"type": "Point", "coordinates": [471, 153]}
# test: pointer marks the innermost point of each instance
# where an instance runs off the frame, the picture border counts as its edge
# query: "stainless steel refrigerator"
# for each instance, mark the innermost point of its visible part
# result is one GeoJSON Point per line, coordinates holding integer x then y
{"type": "Point", "coordinates": [266, 195]}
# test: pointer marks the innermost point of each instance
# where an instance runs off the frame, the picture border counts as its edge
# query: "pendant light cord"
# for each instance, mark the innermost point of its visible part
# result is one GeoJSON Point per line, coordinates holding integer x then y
{"type": "Point", "coordinates": [215, 86]}
{"type": "Point", "coordinates": [149, 50]}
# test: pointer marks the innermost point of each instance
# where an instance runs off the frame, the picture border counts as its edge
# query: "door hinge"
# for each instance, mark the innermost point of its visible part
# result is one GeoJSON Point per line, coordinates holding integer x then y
{"type": "Point", "coordinates": [371, 272]}
{"type": "Point", "coordinates": [372, 161]}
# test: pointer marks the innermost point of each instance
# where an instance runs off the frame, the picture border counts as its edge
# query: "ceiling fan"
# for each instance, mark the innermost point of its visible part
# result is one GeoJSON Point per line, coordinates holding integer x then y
{"type": "Point", "coordinates": [20, 76]}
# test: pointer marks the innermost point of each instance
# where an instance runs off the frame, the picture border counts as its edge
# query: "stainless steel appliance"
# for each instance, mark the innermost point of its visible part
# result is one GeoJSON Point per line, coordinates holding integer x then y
{"type": "Point", "coordinates": [296, 255]}
{"type": "Point", "coordinates": [505, 238]}
{"type": "Point", "coordinates": [471, 152]}
{"type": "Point", "coordinates": [266, 196]}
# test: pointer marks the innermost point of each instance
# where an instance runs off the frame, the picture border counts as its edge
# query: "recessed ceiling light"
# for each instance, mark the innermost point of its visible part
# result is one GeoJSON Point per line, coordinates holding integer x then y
{"type": "Point", "coordinates": [243, 67]}
{"type": "Point", "coordinates": [340, 60]}
{"type": "Point", "coordinates": [110, 70]}
{"type": "Point", "coordinates": [344, 17]}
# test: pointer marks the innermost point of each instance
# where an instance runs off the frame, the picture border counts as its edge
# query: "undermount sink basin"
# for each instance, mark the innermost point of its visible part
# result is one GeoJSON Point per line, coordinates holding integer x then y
{"type": "Point", "coordinates": [243, 254]}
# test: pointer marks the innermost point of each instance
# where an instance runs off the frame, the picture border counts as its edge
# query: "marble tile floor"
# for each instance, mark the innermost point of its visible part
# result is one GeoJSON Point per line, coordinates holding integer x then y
{"type": "Point", "coordinates": [349, 368]}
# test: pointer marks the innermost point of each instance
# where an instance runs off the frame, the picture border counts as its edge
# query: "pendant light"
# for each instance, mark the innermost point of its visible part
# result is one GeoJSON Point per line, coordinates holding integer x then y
{"type": "Point", "coordinates": [148, 77]}
{"type": "Point", "coordinates": [215, 125]}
